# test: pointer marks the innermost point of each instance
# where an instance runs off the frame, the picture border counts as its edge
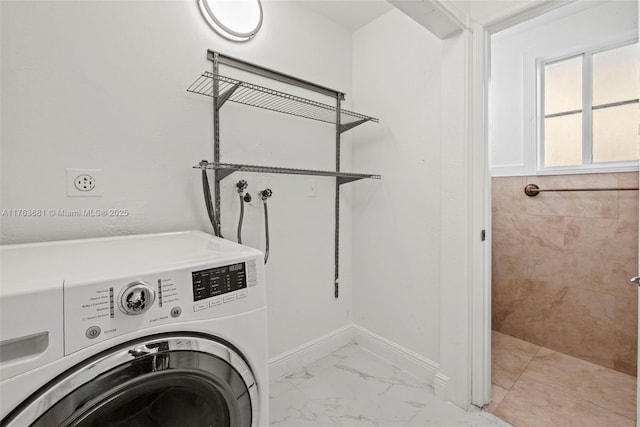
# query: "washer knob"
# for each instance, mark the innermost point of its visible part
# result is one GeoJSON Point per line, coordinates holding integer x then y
{"type": "Point", "coordinates": [136, 298]}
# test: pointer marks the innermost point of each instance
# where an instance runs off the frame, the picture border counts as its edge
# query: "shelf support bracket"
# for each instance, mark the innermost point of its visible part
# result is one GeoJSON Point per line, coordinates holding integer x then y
{"type": "Point", "coordinates": [223, 173]}
{"type": "Point", "coordinates": [348, 126]}
{"type": "Point", "coordinates": [221, 99]}
{"type": "Point", "coordinates": [346, 180]}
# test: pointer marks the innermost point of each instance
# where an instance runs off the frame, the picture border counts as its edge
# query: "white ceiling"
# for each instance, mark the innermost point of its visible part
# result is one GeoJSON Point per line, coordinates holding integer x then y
{"type": "Point", "coordinates": [351, 14]}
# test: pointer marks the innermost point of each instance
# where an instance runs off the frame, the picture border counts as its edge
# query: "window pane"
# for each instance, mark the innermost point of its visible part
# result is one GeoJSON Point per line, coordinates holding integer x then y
{"type": "Point", "coordinates": [615, 75]}
{"type": "Point", "coordinates": [615, 133]}
{"type": "Point", "coordinates": [563, 140]}
{"type": "Point", "coordinates": [563, 86]}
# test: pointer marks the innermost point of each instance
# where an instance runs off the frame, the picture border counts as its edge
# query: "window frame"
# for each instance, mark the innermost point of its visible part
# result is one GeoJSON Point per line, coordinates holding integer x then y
{"type": "Point", "coordinates": [587, 166]}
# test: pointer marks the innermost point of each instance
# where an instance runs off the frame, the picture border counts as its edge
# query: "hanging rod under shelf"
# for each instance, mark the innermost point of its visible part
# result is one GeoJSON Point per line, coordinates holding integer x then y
{"type": "Point", "coordinates": [227, 169]}
{"type": "Point", "coordinates": [261, 97]}
{"type": "Point", "coordinates": [532, 190]}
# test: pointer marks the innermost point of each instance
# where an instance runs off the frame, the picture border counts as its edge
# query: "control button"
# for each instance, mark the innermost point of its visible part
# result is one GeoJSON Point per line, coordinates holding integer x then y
{"type": "Point", "coordinates": [229, 298]}
{"type": "Point", "coordinates": [176, 312]}
{"type": "Point", "coordinates": [241, 294]}
{"type": "Point", "coordinates": [93, 332]}
{"type": "Point", "coordinates": [215, 302]}
{"type": "Point", "coordinates": [200, 306]}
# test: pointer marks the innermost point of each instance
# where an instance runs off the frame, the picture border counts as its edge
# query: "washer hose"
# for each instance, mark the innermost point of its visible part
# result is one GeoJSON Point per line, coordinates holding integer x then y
{"type": "Point", "coordinates": [207, 200]}
{"type": "Point", "coordinates": [264, 195]}
{"type": "Point", "coordinates": [241, 186]}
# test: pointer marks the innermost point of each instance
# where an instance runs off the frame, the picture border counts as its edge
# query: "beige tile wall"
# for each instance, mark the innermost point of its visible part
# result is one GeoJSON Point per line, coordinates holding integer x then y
{"type": "Point", "coordinates": [562, 263]}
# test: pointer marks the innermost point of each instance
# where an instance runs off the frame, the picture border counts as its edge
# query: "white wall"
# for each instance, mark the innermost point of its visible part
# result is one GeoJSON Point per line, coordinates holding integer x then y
{"type": "Point", "coordinates": [512, 93]}
{"type": "Point", "coordinates": [412, 231]}
{"type": "Point", "coordinates": [396, 221]}
{"type": "Point", "coordinates": [102, 85]}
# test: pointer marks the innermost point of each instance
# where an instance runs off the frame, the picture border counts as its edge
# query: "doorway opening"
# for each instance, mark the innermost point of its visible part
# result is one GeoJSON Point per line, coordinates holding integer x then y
{"type": "Point", "coordinates": [564, 315]}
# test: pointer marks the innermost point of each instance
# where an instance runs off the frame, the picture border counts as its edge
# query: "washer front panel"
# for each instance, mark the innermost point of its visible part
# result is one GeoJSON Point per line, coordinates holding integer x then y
{"type": "Point", "coordinates": [132, 383]}
{"type": "Point", "coordinates": [93, 311]}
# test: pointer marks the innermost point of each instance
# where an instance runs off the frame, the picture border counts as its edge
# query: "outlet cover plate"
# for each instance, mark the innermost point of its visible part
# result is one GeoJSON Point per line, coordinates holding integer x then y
{"type": "Point", "coordinates": [92, 182]}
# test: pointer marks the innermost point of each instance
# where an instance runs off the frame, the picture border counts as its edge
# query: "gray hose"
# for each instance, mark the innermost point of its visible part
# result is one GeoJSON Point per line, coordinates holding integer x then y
{"type": "Point", "coordinates": [209, 203]}
{"type": "Point", "coordinates": [240, 187]}
{"type": "Point", "coordinates": [264, 195]}
{"type": "Point", "coordinates": [241, 218]}
{"type": "Point", "coordinates": [266, 231]}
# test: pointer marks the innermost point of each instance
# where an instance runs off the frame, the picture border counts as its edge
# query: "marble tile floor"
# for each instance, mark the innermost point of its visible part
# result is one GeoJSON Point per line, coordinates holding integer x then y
{"type": "Point", "coordinates": [353, 387]}
{"type": "Point", "coordinates": [533, 386]}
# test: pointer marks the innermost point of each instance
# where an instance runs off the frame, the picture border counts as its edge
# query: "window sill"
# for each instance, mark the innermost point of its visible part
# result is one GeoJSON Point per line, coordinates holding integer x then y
{"type": "Point", "coordinates": [594, 168]}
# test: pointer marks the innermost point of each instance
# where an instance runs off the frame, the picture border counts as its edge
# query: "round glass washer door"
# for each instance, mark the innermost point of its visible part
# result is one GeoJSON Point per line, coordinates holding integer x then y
{"type": "Point", "coordinates": [162, 381]}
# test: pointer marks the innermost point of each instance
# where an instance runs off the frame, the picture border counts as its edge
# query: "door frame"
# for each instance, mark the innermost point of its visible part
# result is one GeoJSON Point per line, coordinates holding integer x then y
{"type": "Point", "coordinates": [480, 198]}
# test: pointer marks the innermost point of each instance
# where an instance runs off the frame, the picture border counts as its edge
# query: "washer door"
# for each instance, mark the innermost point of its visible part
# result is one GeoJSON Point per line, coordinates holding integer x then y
{"type": "Point", "coordinates": [161, 382]}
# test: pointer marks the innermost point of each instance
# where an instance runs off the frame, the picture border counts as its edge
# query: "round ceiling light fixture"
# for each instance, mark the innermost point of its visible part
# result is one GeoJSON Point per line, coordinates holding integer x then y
{"type": "Point", "coordinates": [237, 20]}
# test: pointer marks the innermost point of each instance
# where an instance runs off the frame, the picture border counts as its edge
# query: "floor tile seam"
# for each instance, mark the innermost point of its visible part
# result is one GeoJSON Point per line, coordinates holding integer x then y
{"type": "Point", "coordinates": [515, 382]}
{"type": "Point", "coordinates": [525, 368]}
{"type": "Point", "coordinates": [531, 376]}
{"type": "Point", "coordinates": [575, 396]}
{"type": "Point", "coordinates": [501, 400]}
{"type": "Point", "coordinates": [596, 365]}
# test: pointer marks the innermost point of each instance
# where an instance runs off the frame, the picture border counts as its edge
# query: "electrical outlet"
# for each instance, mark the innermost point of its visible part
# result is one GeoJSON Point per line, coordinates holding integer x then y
{"type": "Point", "coordinates": [84, 183]}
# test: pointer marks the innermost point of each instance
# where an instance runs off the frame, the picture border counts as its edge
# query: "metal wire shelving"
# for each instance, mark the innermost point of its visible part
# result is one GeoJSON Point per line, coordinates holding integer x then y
{"type": "Point", "coordinates": [222, 89]}
{"type": "Point", "coordinates": [226, 169]}
{"type": "Point", "coordinates": [262, 97]}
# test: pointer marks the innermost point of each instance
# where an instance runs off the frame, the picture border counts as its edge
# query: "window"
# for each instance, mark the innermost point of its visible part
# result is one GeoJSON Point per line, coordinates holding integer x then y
{"type": "Point", "coordinates": [589, 109]}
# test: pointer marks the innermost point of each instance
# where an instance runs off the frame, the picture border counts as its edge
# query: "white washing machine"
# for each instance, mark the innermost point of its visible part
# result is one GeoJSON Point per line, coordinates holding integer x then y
{"type": "Point", "coordinates": [149, 330]}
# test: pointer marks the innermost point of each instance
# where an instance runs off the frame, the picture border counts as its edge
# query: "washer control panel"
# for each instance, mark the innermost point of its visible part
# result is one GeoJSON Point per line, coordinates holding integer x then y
{"type": "Point", "coordinates": [98, 311]}
{"type": "Point", "coordinates": [217, 281]}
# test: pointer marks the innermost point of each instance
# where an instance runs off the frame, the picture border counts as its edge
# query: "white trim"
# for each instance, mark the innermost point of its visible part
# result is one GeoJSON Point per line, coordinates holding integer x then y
{"type": "Point", "coordinates": [440, 17]}
{"type": "Point", "coordinates": [452, 12]}
{"type": "Point", "coordinates": [405, 359]}
{"type": "Point", "coordinates": [499, 172]}
{"type": "Point", "coordinates": [630, 166]}
{"type": "Point", "coordinates": [520, 13]}
{"type": "Point", "coordinates": [400, 356]}
{"type": "Point", "coordinates": [480, 328]}
{"type": "Point", "coordinates": [305, 354]}
{"type": "Point", "coordinates": [440, 385]}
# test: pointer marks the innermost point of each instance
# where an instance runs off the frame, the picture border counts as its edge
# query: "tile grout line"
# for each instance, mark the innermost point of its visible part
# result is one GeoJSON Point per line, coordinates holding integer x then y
{"type": "Point", "coordinates": [560, 390]}
{"type": "Point", "coordinates": [517, 379]}
{"type": "Point", "coordinates": [545, 384]}
{"type": "Point", "coordinates": [525, 368]}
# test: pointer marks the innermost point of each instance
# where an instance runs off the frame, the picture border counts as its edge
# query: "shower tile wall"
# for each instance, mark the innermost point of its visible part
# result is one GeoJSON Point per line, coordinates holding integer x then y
{"type": "Point", "coordinates": [562, 263]}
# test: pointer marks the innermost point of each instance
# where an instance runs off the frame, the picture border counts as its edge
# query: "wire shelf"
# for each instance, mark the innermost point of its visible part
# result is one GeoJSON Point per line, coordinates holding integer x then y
{"type": "Point", "coordinates": [229, 168]}
{"type": "Point", "coordinates": [269, 99]}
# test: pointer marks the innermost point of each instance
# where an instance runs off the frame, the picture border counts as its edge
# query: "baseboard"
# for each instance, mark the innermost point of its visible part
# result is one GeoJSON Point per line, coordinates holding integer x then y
{"type": "Point", "coordinates": [440, 386]}
{"type": "Point", "coordinates": [402, 357]}
{"type": "Point", "coordinates": [305, 354]}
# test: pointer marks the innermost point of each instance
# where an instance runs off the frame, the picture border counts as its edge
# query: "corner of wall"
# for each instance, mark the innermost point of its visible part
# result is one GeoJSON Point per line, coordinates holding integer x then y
{"type": "Point", "coordinates": [423, 368]}
{"type": "Point", "coordinates": [400, 356]}
{"type": "Point", "coordinates": [309, 352]}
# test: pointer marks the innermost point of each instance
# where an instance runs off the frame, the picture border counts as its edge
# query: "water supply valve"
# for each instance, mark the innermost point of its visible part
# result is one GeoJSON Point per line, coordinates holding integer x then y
{"type": "Point", "coordinates": [265, 194]}
{"type": "Point", "coordinates": [241, 186]}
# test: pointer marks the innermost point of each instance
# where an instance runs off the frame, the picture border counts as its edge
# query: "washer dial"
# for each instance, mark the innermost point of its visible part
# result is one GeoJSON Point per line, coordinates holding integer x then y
{"type": "Point", "coordinates": [136, 298]}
